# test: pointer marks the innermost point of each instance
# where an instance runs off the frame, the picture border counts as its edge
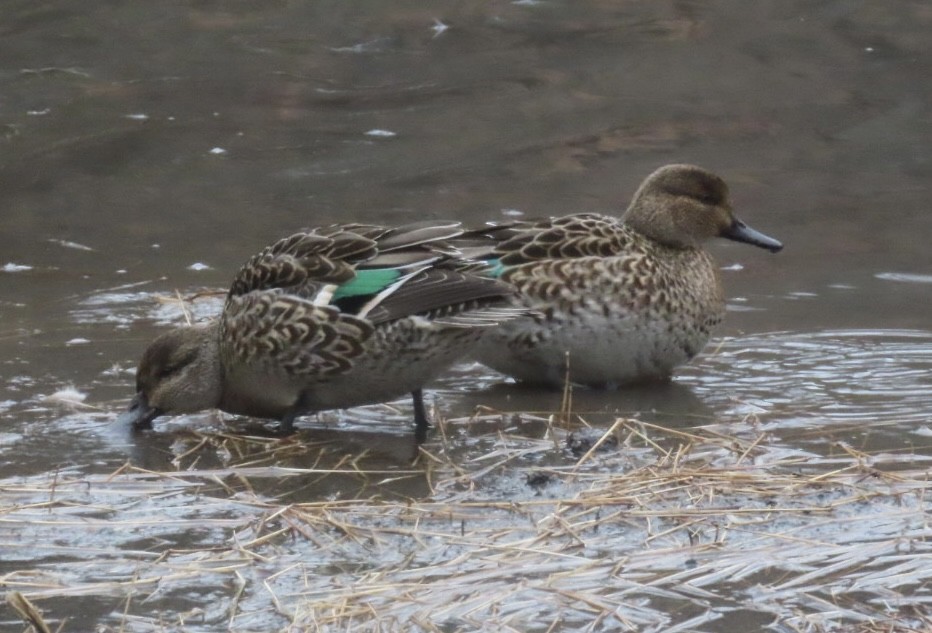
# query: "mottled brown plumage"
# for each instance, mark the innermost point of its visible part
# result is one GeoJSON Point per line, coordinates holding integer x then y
{"type": "Point", "coordinates": [329, 318]}
{"type": "Point", "coordinates": [623, 300]}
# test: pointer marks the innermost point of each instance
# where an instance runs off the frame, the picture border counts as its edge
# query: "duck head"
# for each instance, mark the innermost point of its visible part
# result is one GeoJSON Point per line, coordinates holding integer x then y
{"type": "Point", "coordinates": [682, 206]}
{"type": "Point", "coordinates": [180, 372]}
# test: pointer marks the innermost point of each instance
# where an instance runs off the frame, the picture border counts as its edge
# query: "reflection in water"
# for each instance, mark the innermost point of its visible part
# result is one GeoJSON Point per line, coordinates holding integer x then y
{"type": "Point", "coordinates": [906, 277]}
{"type": "Point", "coordinates": [672, 404]}
{"type": "Point", "coordinates": [308, 467]}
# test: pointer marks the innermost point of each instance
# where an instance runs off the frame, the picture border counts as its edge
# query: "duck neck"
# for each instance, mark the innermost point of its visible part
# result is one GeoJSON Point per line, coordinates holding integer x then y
{"type": "Point", "coordinates": [210, 372]}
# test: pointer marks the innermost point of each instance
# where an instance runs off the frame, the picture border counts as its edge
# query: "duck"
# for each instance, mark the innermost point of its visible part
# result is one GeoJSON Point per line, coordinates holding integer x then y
{"type": "Point", "coordinates": [616, 300]}
{"type": "Point", "coordinates": [327, 318]}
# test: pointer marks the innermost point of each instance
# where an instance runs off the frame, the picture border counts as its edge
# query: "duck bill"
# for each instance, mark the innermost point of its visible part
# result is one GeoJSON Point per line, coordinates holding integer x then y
{"type": "Point", "coordinates": [139, 414]}
{"type": "Point", "coordinates": [741, 232]}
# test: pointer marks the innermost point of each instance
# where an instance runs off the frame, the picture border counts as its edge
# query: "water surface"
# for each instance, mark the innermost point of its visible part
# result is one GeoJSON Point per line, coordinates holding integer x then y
{"type": "Point", "coordinates": [148, 149]}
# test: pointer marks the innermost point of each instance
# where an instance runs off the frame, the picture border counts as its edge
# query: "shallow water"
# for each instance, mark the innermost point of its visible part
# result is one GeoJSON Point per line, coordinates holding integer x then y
{"type": "Point", "coordinates": [149, 149]}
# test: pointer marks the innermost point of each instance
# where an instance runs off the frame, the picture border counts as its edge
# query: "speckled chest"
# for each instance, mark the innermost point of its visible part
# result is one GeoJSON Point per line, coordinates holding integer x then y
{"type": "Point", "coordinates": [620, 319]}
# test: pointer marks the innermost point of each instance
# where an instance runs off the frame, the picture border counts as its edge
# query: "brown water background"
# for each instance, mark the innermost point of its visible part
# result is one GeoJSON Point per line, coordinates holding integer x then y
{"type": "Point", "coordinates": [149, 147]}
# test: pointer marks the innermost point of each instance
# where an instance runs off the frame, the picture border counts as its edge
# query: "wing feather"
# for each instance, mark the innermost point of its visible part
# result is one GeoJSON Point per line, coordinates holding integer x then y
{"type": "Point", "coordinates": [273, 331]}
{"type": "Point", "coordinates": [435, 291]}
{"type": "Point", "coordinates": [302, 263]}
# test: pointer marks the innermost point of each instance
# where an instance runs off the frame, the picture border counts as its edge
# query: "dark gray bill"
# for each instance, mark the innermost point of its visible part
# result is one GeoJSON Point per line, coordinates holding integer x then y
{"type": "Point", "coordinates": [741, 232]}
{"type": "Point", "coordinates": [139, 413]}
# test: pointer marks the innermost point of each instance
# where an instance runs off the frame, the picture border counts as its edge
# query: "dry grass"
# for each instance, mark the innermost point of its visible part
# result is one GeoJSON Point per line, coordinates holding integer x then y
{"type": "Point", "coordinates": [637, 528]}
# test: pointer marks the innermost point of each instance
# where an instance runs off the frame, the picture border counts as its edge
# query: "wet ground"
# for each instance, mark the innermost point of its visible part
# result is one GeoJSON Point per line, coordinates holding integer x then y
{"type": "Point", "coordinates": [148, 149]}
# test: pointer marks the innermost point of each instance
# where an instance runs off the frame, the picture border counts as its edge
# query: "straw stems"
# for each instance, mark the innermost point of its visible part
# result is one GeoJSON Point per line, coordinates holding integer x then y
{"type": "Point", "coordinates": [649, 528]}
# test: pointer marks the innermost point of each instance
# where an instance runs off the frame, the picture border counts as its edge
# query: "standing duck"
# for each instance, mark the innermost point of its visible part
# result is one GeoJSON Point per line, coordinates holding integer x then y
{"type": "Point", "coordinates": [622, 300]}
{"type": "Point", "coordinates": [334, 317]}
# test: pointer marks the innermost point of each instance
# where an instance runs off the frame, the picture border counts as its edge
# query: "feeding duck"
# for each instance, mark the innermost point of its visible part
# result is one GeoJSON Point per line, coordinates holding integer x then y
{"type": "Point", "coordinates": [328, 318]}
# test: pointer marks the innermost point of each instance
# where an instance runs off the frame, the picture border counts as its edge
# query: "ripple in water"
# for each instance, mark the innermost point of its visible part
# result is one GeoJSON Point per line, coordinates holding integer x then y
{"type": "Point", "coordinates": [125, 308]}
{"type": "Point", "coordinates": [843, 376]}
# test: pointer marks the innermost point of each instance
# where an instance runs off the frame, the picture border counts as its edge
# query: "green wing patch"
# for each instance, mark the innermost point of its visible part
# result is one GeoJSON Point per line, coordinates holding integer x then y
{"type": "Point", "coordinates": [367, 282]}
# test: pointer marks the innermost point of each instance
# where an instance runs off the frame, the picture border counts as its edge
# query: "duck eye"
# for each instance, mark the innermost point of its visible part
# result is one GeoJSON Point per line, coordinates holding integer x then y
{"type": "Point", "coordinates": [176, 362]}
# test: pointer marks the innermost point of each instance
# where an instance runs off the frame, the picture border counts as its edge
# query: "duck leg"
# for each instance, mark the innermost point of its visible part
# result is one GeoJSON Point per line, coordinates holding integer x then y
{"type": "Point", "coordinates": [286, 425]}
{"type": "Point", "coordinates": [420, 416]}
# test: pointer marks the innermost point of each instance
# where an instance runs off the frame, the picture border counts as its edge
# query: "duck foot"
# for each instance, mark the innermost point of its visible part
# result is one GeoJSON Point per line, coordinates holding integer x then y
{"type": "Point", "coordinates": [286, 425]}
